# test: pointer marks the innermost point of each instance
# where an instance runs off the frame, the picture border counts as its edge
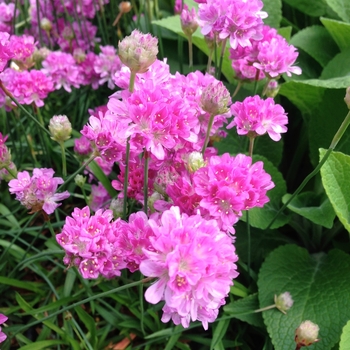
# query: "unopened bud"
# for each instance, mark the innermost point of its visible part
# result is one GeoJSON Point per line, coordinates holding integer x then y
{"type": "Point", "coordinates": [80, 180]}
{"type": "Point", "coordinates": [125, 6]}
{"type": "Point", "coordinates": [195, 161]}
{"type": "Point", "coordinates": [215, 98]}
{"type": "Point", "coordinates": [45, 24]}
{"type": "Point", "coordinates": [138, 51]}
{"type": "Point", "coordinates": [189, 21]}
{"type": "Point", "coordinates": [79, 55]}
{"type": "Point", "coordinates": [60, 128]}
{"type": "Point", "coordinates": [306, 334]}
{"type": "Point", "coordinates": [272, 89]}
{"type": "Point", "coordinates": [347, 97]}
{"type": "Point", "coordinates": [284, 302]}
{"type": "Point", "coordinates": [155, 196]}
{"type": "Point", "coordinates": [117, 207]}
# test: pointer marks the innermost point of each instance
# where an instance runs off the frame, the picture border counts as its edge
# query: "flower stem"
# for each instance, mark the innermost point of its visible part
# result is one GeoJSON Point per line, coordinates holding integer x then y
{"type": "Point", "coordinates": [145, 183]}
{"type": "Point", "coordinates": [333, 144]}
{"type": "Point", "coordinates": [10, 172]}
{"type": "Point", "coordinates": [126, 177]}
{"type": "Point", "coordinates": [190, 51]}
{"type": "Point", "coordinates": [132, 81]}
{"type": "Point", "coordinates": [266, 308]}
{"type": "Point", "coordinates": [210, 124]}
{"type": "Point", "coordinates": [64, 161]}
{"type": "Point", "coordinates": [210, 58]}
{"type": "Point", "coordinates": [251, 146]}
{"type": "Point", "coordinates": [223, 47]}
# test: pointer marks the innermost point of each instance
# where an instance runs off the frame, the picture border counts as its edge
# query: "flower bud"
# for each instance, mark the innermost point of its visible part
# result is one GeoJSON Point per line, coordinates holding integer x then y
{"type": "Point", "coordinates": [215, 98]}
{"type": "Point", "coordinates": [45, 24]}
{"type": "Point", "coordinates": [79, 55]}
{"type": "Point", "coordinates": [195, 161]}
{"type": "Point", "coordinates": [189, 21]}
{"type": "Point", "coordinates": [117, 207]}
{"type": "Point", "coordinates": [138, 51]}
{"type": "Point", "coordinates": [155, 196]}
{"type": "Point", "coordinates": [80, 180]}
{"type": "Point", "coordinates": [272, 89]}
{"type": "Point", "coordinates": [60, 128]}
{"type": "Point", "coordinates": [284, 302]}
{"type": "Point", "coordinates": [306, 334]}
{"type": "Point", "coordinates": [125, 6]}
{"type": "Point", "coordinates": [5, 155]}
{"type": "Point", "coordinates": [347, 97]}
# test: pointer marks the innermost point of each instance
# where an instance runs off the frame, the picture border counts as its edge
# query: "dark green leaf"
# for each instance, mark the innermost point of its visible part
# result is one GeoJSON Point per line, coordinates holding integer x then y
{"type": "Point", "coordinates": [340, 31]}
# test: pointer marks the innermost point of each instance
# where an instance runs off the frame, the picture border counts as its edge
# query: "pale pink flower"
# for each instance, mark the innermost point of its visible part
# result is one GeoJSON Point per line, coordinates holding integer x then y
{"type": "Point", "coordinates": [194, 262]}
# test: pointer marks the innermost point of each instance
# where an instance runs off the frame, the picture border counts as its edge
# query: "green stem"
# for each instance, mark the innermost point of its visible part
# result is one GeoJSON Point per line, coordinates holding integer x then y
{"type": "Point", "coordinates": [190, 51]}
{"type": "Point", "coordinates": [64, 161]}
{"type": "Point", "coordinates": [71, 177]}
{"type": "Point", "coordinates": [84, 301]}
{"type": "Point", "coordinates": [8, 94]}
{"type": "Point", "coordinates": [126, 177]}
{"type": "Point", "coordinates": [223, 47]}
{"type": "Point", "coordinates": [145, 184]}
{"type": "Point", "coordinates": [179, 52]}
{"type": "Point", "coordinates": [10, 172]}
{"type": "Point", "coordinates": [266, 308]}
{"type": "Point", "coordinates": [251, 146]}
{"type": "Point", "coordinates": [210, 124]}
{"type": "Point", "coordinates": [210, 58]}
{"type": "Point", "coordinates": [333, 144]}
{"type": "Point", "coordinates": [132, 81]}
{"type": "Point", "coordinates": [249, 243]}
{"type": "Point", "coordinates": [51, 228]}
{"type": "Point", "coordinates": [238, 87]}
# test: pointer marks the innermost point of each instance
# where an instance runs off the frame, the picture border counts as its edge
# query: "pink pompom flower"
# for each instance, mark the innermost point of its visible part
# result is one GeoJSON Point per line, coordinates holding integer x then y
{"type": "Point", "coordinates": [3, 336]}
{"type": "Point", "coordinates": [194, 262]}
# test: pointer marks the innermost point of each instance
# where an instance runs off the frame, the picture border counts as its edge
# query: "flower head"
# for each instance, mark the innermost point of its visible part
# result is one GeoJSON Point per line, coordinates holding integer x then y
{"type": "Point", "coordinates": [3, 336]}
{"type": "Point", "coordinates": [189, 21]}
{"type": "Point", "coordinates": [194, 262]}
{"type": "Point", "coordinates": [306, 334]}
{"type": "Point", "coordinates": [284, 302]}
{"type": "Point", "coordinates": [215, 98]}
{"type": "Point", "coordinates": [60, 128]}
{"type": "Point", "coordinates": [138, 51]}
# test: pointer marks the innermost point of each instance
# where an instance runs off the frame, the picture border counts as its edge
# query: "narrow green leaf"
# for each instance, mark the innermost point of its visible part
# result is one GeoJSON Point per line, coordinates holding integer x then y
{"type": "Point", "coordinates": [44, 344]}
{"type": "Point", "coordinates": [345, 338]}
{"type": "Point", "coordinates": [173, 339]}
{"type": "Point", "coordinates": [32, 286]}
{"type": "Point", "coordinates": [341, 8]}
{"type": "Point", "coordinates": [219, 333]}
{"type": "Point", "coordinates": [16, 251]}
{"type": "Point", "coordinates": [69, 282]}
{"type": "Point", "coordinates": [101, 176]}
{"type": "Point", "coordinates": [340, 32]}
{"type": "Point", "coordinates": [243, 309]}
{"type": "Point", "coordinates": [316, 208]}
{"type": "Point", "coordinates": [6, 213]}
{"type": "Point", "coordinates": [335, 181]}
{"type": "Point", "coordinates": [316, 42]}
{"type": "Point", "coordinates": [89, 324]}
{"type": "Point", "coordinates": [319, 286]}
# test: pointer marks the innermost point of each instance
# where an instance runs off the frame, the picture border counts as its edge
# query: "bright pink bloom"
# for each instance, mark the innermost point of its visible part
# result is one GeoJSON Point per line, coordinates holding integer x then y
{"type": "Point", "coordinates": [5, 50]}
{"type": "Point", "coordinates": [22, 47]}
{"type": "Point", "coordinates": [194, 262]}
{"type": "Point", "coordinates": [82, 146]}
{"type": "Point", "coordinates": [255, 116]}
{"type": "Point", "coordinates": [99, 198]}
{"type": "Point", "coordinates": [91, 243]}
{"type": "Point", "coordinates": [229, 185]}
{"type": "Point", "coordinates": [3, 336]}
{"type": "Point", "coordinates": [39, 191]}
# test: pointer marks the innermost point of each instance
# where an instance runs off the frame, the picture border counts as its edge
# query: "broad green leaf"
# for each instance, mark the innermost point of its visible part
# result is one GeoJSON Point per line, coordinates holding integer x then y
{"type": "Point", "coordinates": [243, 309]}
{"type": "Point", "coordinates": [44, 344]}
{"type": "Point", "coordinates": [274, 10]}
{"type": "Point", "coordinates": [173, 23]}
{"type": "Point", "coordinates": [316, 42]}
{"type": "Point", "coordinates": [340, 32]}
{"type": "Point", "coordinates": [286, 32]}
{"type": "Point", "coordinates": [303, 95]}
{"type": "Point", "coordinates": [335, 179]}
{"type": "Point", "coordinates": [311, 8]}
{"type": "Point", "coordinates": [341, 8]}
{"type": "Point", "coordinates": [101, 176]}
{"type": "Point", "coordinates": [324, 123]}
{"type": "Point", "coordinates": [339, 66]}
{"type": "Point", "coordinates": [261, 217]}
{"type": "Point", "coordinates": [313, 207]}
{"type": "Point", "coordinates": [345, 338]}
{"type": "Point", "coordinates": [319, 286]}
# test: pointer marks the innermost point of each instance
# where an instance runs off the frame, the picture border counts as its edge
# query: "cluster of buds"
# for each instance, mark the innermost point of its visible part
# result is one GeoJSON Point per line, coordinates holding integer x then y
{"type": "Point", "coordinates": [215, 99]}
{"type": "Point", "coordinates": [60, 128]}
{"type": "Point", "coordinates": [306, 334]}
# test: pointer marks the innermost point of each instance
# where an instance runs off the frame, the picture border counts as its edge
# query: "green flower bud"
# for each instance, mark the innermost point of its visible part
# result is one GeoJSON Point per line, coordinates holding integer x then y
{"type": "Point", "coordinates": [60, 128]}
{"type": "Point", "coordinates": [306, 334]}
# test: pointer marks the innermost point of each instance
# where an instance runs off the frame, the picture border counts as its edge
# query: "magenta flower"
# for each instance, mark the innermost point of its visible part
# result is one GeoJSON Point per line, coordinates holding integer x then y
{"type": "Point", "coordinates": [194, 262]}
{"type": "Point", "coordinates": [3, 336]}
{"type": "Point", "coordinates": [5, 50]}
{"type": "Point", "coordinates": [255, 116]}
{"type": "Point", "coordinates": [39, 191]}
{"type": "Point", "coordinates": [91, 243]}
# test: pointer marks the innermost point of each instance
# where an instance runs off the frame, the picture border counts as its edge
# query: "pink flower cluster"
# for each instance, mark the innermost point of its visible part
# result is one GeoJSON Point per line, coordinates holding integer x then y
{"type": "Point", "coordinates": [237, 20]}
{"type": "Point", "coordinates": [194, 262]}
{"type": "Point", "coordinates": [7, 13]}
{"type": "Point", "coordinates": [269, 56]}
{"type": "Point", "coordinates": [38, 192]}
{"type": "Point", "coordinates": [255, 116]}
{"type": "Point", "coordinates": [3, 336]}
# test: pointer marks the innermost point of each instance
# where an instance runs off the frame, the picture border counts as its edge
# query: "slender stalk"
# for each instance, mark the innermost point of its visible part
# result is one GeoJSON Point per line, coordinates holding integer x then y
{"type": "Point", "coordinates": [190, 51]}
{"type": "Point", "coordinates": [265, 308]}
{"type": "Point", "coordinates": [223, 47]}
{"type": "Point", "coordinates": [238, 87]}
{"type": "Point", "coordinates": [64, 161]}
{"type": "Point", "coordinates": [84, 301]}
{"type": "Point", "coordinates": [71, 177]}
{"type": "Point", "coordinates": [210, 124]}
{"type": "Point", "coordinates": [145, 184]}
{"type": "Point", "coordinates": [251, 146]}
{"type": "Point", "coordinates": [38, 19]}
{"type": "Point", "coordinates": [179, 52]}
{"type": "Point", "coordinates": [210, 58]}
{"type": "Point", "coordinates": [333, 144]}
{"type": "Point", "coordinates": [8, 94]}
{"type": "Point", "coordinates": [132, 81]}
{"type": "Point", "coordinates": [126, 177]}
{"type": "Point", "coordinates": [10, 172]}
